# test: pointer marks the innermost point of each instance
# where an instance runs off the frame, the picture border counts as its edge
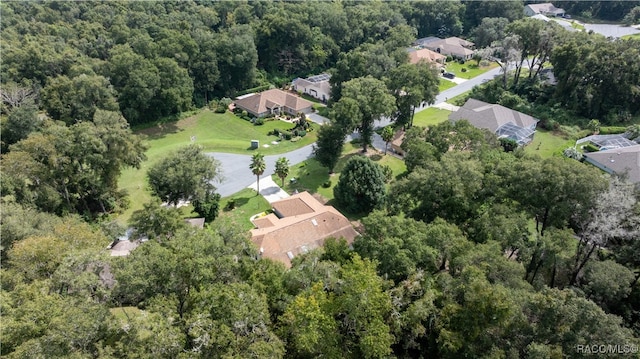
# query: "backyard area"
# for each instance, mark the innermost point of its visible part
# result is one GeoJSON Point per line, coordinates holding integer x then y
{"type": "Point", "coordinates": [214, 132]}
{"type": "Point", "coordinates": [245, 204]}
{"type": "Point", "coordinates": [547, 144]}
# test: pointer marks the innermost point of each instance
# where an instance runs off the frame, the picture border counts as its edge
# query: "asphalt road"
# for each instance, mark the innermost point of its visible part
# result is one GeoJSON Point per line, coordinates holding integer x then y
{"type": "Point", "coordinates": [235, 168]}
{"type": "Point", "coordinates": [237, 175]}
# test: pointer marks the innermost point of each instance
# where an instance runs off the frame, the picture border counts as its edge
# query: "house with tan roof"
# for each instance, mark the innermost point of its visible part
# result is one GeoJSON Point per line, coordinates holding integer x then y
{"type": "Point", "coordinates": [297, 225]}
{"type": "Point", "coordinates": [503, 121]}
{"type": "Point", "coordinates": [425, 55]}
{"type": "Point", "coordinates": [274, 101]}
{"type": "Point", "coordinates": [451, 46]}
{"type": "Point", "coordinates": [624, 160]}
{"type": "Point", "coordinates": [546, 9]}
{"type": "Point", "coordinates": [317, 86]}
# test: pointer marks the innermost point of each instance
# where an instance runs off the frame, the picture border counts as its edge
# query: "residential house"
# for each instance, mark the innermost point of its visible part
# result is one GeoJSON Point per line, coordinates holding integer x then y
{"type": "Point", "coordinates": [273, 101]}
{"type": "Point", "coordinates": [317, 86]}
{"type": "Point", "coordinates": [546, 9]}
{"type": "Point", "coordinates": [425, 55]}
{"type": "Point", "coordinates": [624, 160]}
{"type": "Point", "coordinates": [607, 142]}
{"type": "Point", "coordinates": [504, 122]}
{"type": "Point", "coordinates": [297, 225]}
{"type": "Point", "coordinates": [451, 46]}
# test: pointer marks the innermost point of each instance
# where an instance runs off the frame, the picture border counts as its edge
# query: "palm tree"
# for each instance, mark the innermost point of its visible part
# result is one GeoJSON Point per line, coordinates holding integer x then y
{"type": "Point", "coordinates": [282, 168]}
{"type": "Point", "coordinates": [387, 136]}
{"type": "Point", "coordinates": [258, 166]}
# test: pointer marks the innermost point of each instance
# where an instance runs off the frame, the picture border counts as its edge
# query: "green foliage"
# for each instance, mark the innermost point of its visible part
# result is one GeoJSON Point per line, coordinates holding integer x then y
{"type": "Point", "coordinates": [64, 169]}
{"type": "Point", "coordinates": [184, 175]}
{"type": "Point", "coordinates": [257, 166]}
{"type": "Point", "coordinates": [361, 187]}
{"type": "Point", "coordinates": [282, 168]}
{"type": "Point", "coordinates": [611, 130]}
{"type": "Point", "coordinates": [156, 221]}
{"type": "Point", "coordinates": [18, 125]}
{"type": "Point", "coordinates": [412, 85]}
{"type": "Point", "coordinates": [364, 100]}
{"type": "Point", "coordinates": [328, 148]}
{"type": "Point", "coordinates": [208, 207]}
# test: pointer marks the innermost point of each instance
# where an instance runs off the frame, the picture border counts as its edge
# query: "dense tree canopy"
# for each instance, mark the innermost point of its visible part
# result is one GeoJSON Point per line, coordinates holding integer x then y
{"type": "Point", "coordinates": [479, 253]}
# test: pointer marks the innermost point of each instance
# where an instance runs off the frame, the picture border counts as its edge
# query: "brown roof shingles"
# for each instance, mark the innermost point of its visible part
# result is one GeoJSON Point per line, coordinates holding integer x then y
{"type": "Point", "coordinates": [263, 101]}
{"type": "Point", "coordinates": [308, 225]}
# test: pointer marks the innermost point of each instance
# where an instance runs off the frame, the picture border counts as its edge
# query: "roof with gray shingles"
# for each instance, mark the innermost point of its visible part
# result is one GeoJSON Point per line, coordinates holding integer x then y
{"type": "Point", "coordinates": [618, 160]}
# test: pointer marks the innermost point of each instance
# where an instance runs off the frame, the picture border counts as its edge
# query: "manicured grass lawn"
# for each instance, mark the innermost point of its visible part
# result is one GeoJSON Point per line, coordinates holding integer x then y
{"type": "Point", "coordinates": [445, 84]}
{"type": "Point", "coordinates": [247, 203]}
{"type": "Point", "coordinates": [459, 100]}
{"type": "Point", "coordinates": [473, 69]}
{"type": "Point", "coordinates": [577, 25]}
{"type": "Point", "coordinates": [214, 132]}
{"type": "Point", "coordinates": [632, 36]}
{"type": "Point", "coordinates": [310, 175]}
{"type": "Point", "coordinates": [430, 116]}
{"type": "Point", "coordinates": [547, 144]}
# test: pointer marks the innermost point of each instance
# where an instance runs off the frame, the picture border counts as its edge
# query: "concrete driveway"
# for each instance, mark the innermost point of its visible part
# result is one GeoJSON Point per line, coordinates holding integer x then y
{"type": "Point", "coordinates": [317, 118]}
{"type": "Point", "coordinates": [238, 176]}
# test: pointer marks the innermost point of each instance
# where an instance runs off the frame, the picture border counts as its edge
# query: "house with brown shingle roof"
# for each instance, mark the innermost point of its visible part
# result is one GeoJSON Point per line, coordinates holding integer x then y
{"type": "Point", "coordinates": [297, 225]}
{"type": "Point", "coordinates": [624, 160]}
{"type": "Point", "coordinates": [451, 46]}
{"type": "Point", "coordinates": [273, 101]}
{"type": "Point", "coordinates": [426, 55]}
{"type": "Point", "coordinates": [502, 121]}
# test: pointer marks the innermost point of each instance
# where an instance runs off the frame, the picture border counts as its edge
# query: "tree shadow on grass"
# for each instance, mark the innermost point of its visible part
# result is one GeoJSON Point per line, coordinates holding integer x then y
{"type": "Point", "coordinates": [237, 201]}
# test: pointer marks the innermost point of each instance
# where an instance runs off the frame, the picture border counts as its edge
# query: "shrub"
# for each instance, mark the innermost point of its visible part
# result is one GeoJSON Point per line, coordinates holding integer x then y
{"type": "Point", "coordinates": [286, 135]}
{"type": "Point", "coordinates": [461, 61]}
{"type": "Point", "coordinates": [590, 147]}
{"type": "Point", "coordinates": [449, 58]}
{"type": "Point", "coordinates": [464, 69]}
{"type": "Point", "coordinates": [296, 139]}
{"type": "Point", "coordinates": [326, 184]}
{"type": "Point", "coordinates": [388, 173]}
{"type": "Point", "coordinates": [612, 130]}
{"type": "Point", "coordinates": [302, 133]}
{"type": "Point", "coordinates": [484, 63]}
{"type": "Point", "coordinates": [231, 204]}
{"type": "Point", "coordinates": [258, 121]}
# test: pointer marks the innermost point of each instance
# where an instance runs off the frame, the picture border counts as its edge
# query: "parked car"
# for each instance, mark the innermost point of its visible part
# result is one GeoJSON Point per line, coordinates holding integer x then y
{"type": "Point", "coordinates": [448, 75]}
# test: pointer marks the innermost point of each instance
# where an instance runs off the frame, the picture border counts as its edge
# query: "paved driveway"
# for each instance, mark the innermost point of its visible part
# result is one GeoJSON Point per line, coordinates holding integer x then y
{"type": "Point", "coordinates": [238, 176]}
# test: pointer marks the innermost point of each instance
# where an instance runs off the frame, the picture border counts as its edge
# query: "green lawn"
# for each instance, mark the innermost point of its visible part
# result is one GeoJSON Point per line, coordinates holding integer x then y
{"type": "Point", "coordinates": [473, 69]}
{"type": "Point", "coordinates": [632, 36]}
{"type": "Point", "coordinates": [547, 144]}
{"type": "Point", "coordinates": [214, 132]}
{"type": "Point", "coordinates": [430, 116]}
{"type": "Point", "coordinates": [311, 176]}
{"type": "Point", "coordinates": [247, 203]}
{"type": "Point", "coordinates": [445, 84]}
{"type": "Point", "coordinates": [577, 25]}
{"type": "Point", "coordinates": [459, 100]}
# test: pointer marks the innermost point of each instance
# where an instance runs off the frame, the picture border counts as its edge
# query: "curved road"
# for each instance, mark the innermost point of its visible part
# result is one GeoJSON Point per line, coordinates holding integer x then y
{"type": "Point", "coordinates": [235, 168]}
{"type": "Point", "coordinates": [237, 175]}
